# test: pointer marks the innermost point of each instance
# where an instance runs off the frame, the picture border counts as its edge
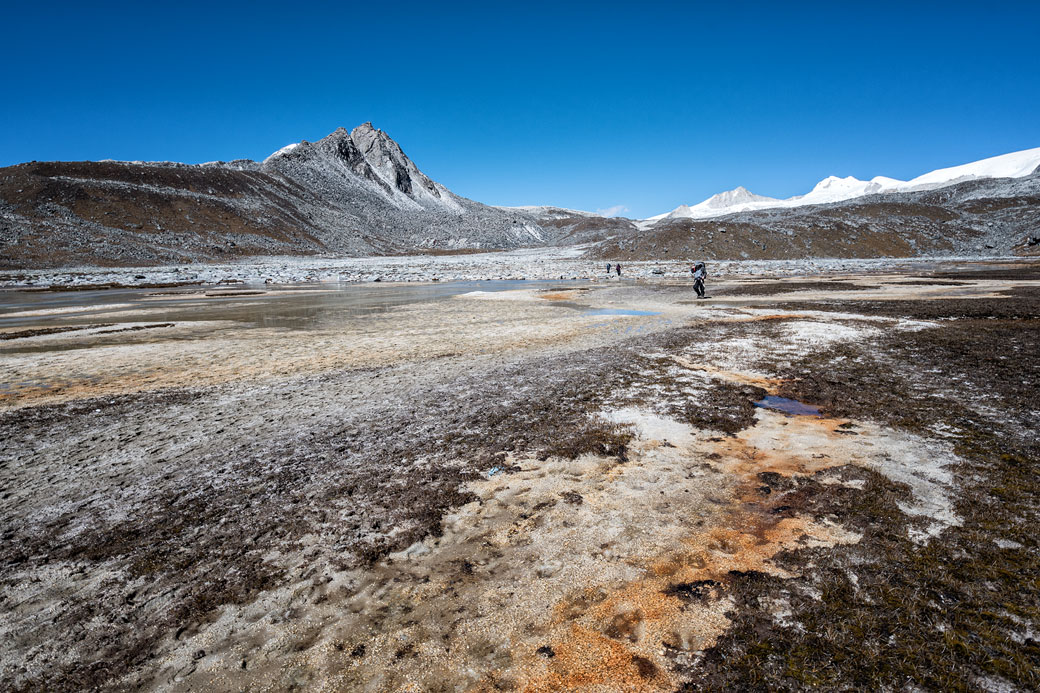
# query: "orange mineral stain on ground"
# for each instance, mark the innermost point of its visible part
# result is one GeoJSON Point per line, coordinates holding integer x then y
{"type": "Point", "coordinates": [597, 573]}
{"type": "Point", "coordinates": [589, 660]}
{"type": "Point", "coordinates": [613, 639]}
{"type": "Point", "coordinates": [770, 385]}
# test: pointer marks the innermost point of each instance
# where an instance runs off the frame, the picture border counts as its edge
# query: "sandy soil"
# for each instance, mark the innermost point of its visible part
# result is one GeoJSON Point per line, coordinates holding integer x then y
{"type": "Point", "coordinates": [554, 488]}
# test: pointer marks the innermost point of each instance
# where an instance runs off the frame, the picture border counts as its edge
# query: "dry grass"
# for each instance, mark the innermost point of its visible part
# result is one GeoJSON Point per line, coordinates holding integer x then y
{"type": "Point", "coordinates": [888, 613]}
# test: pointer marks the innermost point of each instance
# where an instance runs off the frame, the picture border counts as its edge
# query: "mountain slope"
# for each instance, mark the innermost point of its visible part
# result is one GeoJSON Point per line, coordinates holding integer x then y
{"type": "Point", "coordinates": [357, 193]}
{"type": "Point", "coordinates": [835, 189]}
{"type": "Point", "coordinates": [983, 216]}
{"type": "Point", "coordinates": [574, 226]}
{"type": "Point", "coordinates": [350, 193]}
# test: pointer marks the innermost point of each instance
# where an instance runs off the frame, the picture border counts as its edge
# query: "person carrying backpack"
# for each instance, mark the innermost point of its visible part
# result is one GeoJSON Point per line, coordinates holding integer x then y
{"type": "Point", "coordinates": [618, 268]}
{"type": "Point", "coordinates": [699, 275]}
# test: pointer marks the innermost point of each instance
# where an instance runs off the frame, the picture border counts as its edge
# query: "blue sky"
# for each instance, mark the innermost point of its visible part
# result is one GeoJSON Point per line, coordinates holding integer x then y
{"type": "Point", "coordinates": [643, 105]}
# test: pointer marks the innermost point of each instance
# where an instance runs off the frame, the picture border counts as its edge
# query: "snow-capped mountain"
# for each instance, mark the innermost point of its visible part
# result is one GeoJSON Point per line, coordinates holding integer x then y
{"type": "Point", "coordinates": [737, 200]}
{"type": "Point", "coordinates": [350, 193]}
{"type": "Point", "coordinates": [1013, 165]}
{"type": "Point", "coordinates": [357, 193]}
{"type": "Point", "coordinates": [835, 189]}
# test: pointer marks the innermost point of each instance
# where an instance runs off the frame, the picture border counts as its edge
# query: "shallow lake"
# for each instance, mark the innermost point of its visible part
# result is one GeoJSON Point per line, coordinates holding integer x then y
{"type": "Point", "coordinates": [298, 306]}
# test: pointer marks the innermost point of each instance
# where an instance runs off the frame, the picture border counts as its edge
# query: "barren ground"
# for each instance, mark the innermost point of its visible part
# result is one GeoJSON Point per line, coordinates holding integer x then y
{"type": "Point", "coordinates": [525, 490]}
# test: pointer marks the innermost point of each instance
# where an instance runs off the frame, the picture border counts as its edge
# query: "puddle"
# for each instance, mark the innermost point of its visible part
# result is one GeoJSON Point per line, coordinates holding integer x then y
{"type": "Point", "coordinates": [620, 311]}
{"type": "Point", "coordinates": [788, 406]}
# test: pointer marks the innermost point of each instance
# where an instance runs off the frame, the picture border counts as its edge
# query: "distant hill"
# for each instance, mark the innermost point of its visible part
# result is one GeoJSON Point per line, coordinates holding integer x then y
{"type": "Point", "coordinates": [350, 193]}
{"type": "Point", "coordinates": [835, 189]}
{"type": "Point", "coordinates": [356, 193]}
{"type": "Point", "coordinates": [986, 216]}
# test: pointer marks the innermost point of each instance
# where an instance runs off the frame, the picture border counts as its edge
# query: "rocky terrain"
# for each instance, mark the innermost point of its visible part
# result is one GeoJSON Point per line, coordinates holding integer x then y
{"type": "Point", "coordinates": [351, 193]}
{"type": "Point", "coordinates": [512, 265]}
{"type": "Point", "coordinates": [356, 194]}
{"type": "Point", "coordinates": [810, 481]}
{"type": "Point", "coordinates": [997, 216]}
{"type": "Point", "coordinates": [575, 227]}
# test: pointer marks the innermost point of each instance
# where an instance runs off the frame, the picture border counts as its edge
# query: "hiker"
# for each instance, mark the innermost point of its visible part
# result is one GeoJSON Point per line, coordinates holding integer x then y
{"type": "Point", "coordinates": [608, 269]}
{"type": "Point", "coordinates": [699, 274]}
{"type": "Point", "coordinates": [618, 268]}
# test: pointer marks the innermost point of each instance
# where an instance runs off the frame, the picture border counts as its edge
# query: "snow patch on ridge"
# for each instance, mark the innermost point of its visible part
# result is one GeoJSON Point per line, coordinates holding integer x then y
{"type": "Point", "coordinates": [835, 189]}
{"type": "Point", "coordinates": [284, 150]}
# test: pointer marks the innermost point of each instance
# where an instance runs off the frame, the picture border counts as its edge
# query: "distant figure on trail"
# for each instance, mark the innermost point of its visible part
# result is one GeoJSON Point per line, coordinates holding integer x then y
{"type": "Point", "coordinates": [618, 268]}
{"type": "Point", "coordinates": [699, 274]}
{"type": "Point", "coordinates": [608, 268]}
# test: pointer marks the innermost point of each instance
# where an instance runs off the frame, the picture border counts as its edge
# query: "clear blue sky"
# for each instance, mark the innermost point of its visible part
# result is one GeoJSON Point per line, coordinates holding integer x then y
{"type": "Point", "coordinates": [645, 105]}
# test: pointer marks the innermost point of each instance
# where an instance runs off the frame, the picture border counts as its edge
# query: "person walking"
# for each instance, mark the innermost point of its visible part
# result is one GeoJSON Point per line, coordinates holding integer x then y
{"type": "Point", "coordinates": [608, 269]}
{"type": "Point", "coordinates": [699, 275]}
{"type": "Point", "coordinates": [618, 268]}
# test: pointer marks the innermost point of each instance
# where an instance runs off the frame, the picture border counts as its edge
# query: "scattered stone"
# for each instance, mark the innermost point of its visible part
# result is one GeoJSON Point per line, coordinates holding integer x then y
{"type": "Point", "coordinates": [572, 497]}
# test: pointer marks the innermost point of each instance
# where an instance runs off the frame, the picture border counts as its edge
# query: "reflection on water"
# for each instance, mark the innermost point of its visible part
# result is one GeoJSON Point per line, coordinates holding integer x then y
{"type": "Point", "coordinates": [620, 311]}
{"type": "Point", "coordinates": [143, 338]}
{"type": "Point", "coordinates": [788, 406]}
{"type": "Point", "coordinates": [296, 306]}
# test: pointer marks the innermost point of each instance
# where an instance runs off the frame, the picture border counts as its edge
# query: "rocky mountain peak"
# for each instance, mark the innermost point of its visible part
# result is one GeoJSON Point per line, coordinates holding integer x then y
{"type": "Point", "coordinates": [729, 198]}
{"type": "Point", "coordinates": [364, 156]}
{"type": "Point", "coordinates": [386, 157]}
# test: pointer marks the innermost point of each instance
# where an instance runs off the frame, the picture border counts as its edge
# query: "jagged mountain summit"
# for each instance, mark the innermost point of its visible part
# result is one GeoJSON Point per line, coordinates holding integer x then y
{"type": "Point", "coordinates": [835, 189]}
{"type": "Point", "coordinates": [373, 157]}
{"type": "Point", "coordinates": [349, 193]}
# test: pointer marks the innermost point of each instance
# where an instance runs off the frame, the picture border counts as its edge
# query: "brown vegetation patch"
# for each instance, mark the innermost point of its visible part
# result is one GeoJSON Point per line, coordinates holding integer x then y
{"type": "Point", "coordinates": [138, 328]}
{"type": "Point", "coordinates": [956, 613]}
{"type": "Point", "coordinates": [675, 605]}
{"type": "Point", "coordinates": [1018, 303]}
{"type": "Point", "coordinates": [40, 331]}
{"type": "Point", "coordinates": [782, 287]}
{"type": "Point", "coordinates": [1019, 271]}
{"type": "Point", "coordinates": [370, 486]}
